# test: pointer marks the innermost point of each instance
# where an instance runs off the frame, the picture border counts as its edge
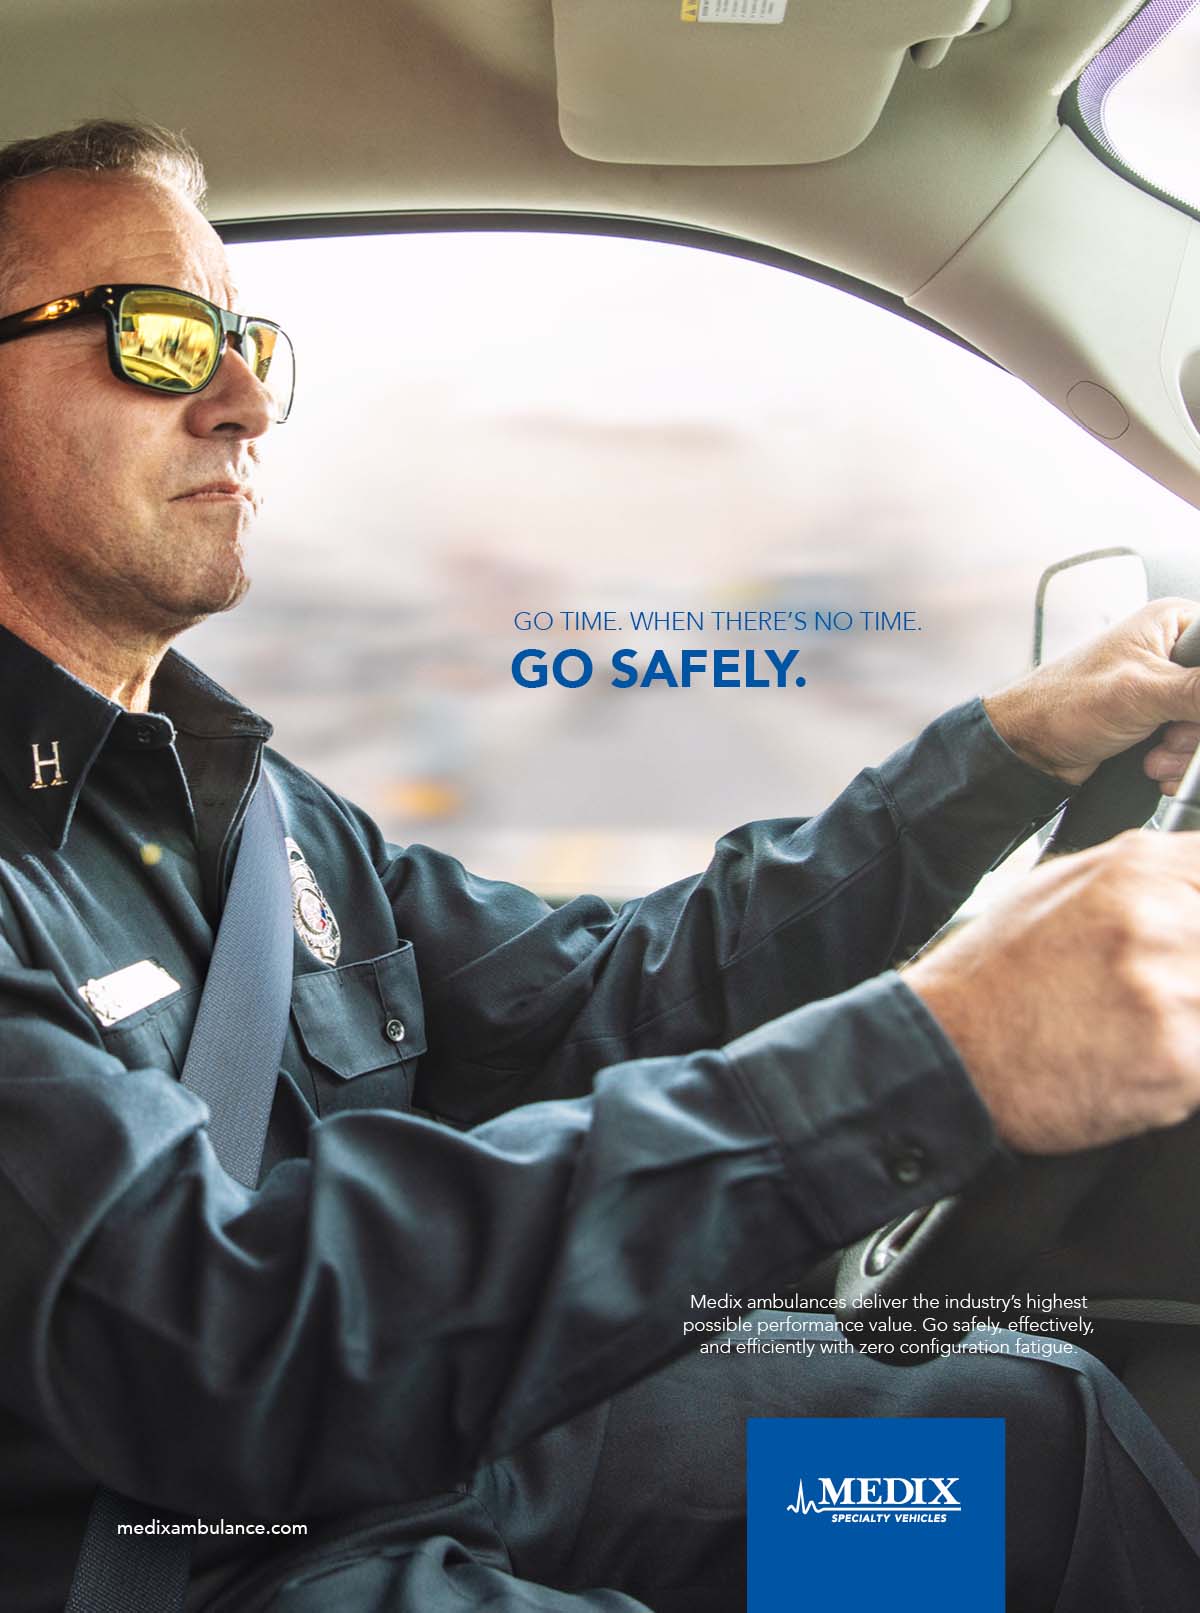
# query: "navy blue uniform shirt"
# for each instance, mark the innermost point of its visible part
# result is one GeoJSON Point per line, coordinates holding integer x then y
{"type": "Point", "coordinates": [728, 1082]}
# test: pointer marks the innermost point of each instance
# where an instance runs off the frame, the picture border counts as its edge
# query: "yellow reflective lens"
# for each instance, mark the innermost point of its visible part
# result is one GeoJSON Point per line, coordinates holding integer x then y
{"type": "Point", "coordinates": [167, 340]}
{"type": "Point", "coordinates": [260, 346]}
{"type": "Point", "coordinates": [268, 353]}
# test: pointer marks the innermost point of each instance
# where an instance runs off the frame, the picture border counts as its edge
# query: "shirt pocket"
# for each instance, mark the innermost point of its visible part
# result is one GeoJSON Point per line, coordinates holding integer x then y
{"type": "Point", "coordinates": [155, 1037]}
{"type": "Point", "coordinates": [362, 1028]}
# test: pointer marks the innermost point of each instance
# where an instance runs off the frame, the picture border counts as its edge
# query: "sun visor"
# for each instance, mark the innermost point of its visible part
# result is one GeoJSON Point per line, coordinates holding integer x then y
{"type": "Point", "coordinates": [719, 82]}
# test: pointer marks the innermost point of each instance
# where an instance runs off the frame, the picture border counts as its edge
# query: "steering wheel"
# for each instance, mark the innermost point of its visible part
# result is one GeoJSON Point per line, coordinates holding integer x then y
{"type": "Point", "coordinates": [1114, 1224]}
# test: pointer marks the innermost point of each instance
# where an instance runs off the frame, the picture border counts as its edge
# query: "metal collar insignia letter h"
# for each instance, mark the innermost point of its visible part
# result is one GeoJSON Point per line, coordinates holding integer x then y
{"type": "Point", "coordinates": [41, 762]}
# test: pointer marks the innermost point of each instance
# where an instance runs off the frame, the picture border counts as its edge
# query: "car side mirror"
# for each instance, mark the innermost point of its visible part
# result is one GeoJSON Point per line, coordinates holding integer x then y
{"type": "Point", "coordinates": [1080, 597]}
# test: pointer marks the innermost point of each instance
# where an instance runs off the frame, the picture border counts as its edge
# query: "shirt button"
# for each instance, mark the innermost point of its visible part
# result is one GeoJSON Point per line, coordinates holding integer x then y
{"type": "Point", "coordinates": [908, 1165]}
{"type": "Point", "coordinates": [394, 1030]}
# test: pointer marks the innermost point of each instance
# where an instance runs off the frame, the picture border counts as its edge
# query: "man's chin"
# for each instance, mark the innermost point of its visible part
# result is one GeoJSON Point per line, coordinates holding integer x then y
{"type": "Point", "coordinates": [215, 580]}
{"type": "Point", "coordinates": [177, 610]}
{"type": "Point", "coordinates": [238, 592]}
{"type": "Point", "coordinates": [213, 603]}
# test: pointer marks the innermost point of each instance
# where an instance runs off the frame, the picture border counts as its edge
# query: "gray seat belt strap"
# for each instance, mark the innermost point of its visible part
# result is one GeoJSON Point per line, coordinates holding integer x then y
{"type": "Point", "coordinates": [232, 1063]}
{"type": "Point", "coordinates": [237, 1040]}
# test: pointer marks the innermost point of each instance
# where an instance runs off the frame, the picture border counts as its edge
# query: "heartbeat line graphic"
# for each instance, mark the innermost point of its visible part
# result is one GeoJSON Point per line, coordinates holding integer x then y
{"type": "Point", "coordinates": [802, 1505]}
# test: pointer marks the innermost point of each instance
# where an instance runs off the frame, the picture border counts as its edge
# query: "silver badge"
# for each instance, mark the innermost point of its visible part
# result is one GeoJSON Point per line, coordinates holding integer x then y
{"type": "Point", "coordinates": [313, 916]}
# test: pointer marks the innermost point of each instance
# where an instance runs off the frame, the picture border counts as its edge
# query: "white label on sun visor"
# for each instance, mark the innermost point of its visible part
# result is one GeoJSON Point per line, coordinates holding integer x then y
{"type": "Point", "coordinates": [733, 10]}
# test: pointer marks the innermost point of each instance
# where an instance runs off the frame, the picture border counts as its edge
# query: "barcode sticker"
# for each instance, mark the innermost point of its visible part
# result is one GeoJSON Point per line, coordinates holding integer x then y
{"type": "Point", "coordinates": [733, 10]}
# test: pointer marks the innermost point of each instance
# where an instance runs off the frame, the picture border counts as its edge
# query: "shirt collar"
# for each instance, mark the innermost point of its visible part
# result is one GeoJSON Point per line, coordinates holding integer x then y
{"type": "Point", "coordinates": [53, 726]}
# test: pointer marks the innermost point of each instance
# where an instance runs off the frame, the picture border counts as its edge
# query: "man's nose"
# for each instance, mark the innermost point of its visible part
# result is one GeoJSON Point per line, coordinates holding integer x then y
{"type": "Point", "coordinates": [235, 403]}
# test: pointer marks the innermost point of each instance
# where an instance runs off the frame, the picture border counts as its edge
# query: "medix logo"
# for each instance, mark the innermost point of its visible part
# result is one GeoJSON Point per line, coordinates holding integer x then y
{"type": "Point", "coordinates": [878, 1494]}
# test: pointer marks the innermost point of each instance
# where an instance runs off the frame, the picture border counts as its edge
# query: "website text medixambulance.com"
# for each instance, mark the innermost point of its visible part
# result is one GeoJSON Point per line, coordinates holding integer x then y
{"type": "Point", "coordinates": [208, 1526]}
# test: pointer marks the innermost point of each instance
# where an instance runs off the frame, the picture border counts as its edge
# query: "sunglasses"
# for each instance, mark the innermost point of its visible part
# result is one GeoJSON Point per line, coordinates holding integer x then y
{"type": "Point", "coordinates": [170, 341]}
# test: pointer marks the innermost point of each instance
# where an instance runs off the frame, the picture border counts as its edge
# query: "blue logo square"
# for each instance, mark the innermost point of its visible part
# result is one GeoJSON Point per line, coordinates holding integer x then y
{"type": "Point", "coordinates": [903, 1513]}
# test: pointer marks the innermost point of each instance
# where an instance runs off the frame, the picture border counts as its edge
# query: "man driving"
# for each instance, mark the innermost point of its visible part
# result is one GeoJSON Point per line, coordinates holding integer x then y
{"type": "Point", "coordinates": [505, 1143]}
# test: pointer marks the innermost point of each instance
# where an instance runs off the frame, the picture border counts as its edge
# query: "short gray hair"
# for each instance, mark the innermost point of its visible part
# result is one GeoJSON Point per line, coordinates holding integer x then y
{"type": "Point", "coordinates": [99, 146]}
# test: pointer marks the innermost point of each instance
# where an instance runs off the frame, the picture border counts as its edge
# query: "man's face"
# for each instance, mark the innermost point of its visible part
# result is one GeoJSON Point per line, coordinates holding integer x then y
{"type": "Point", "coordinates": [115, 499]}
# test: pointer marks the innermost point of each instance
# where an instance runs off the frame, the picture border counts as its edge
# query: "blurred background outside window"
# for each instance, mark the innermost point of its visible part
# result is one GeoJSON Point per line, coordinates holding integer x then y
{"type": "Point", "coordinates": [492, 423]}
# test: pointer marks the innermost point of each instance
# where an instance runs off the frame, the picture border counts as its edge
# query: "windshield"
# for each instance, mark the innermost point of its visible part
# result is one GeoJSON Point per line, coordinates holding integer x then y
{"type": "Point", "coordinates": [1138, 98]}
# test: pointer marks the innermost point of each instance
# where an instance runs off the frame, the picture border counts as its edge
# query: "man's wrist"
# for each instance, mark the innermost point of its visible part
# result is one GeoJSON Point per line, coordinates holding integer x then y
{"type": "Point", "coordinates": [1019, 716]}
{"type": "Point", "coordinates": [985, 801]}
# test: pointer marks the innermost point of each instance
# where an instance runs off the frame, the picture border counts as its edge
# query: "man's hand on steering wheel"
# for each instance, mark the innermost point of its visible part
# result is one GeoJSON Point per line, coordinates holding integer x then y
{"type": "Point", "coordinates": [1075, 712]}
{"type": "Point", "coordinates": [1167, 762]}
{"type": "Point", "coordinates": [1075, 1002]}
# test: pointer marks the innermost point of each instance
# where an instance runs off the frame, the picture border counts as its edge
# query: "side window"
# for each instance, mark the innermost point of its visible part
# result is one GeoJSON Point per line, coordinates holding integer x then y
{"type": "Point", "coordinates": [491, 426]}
